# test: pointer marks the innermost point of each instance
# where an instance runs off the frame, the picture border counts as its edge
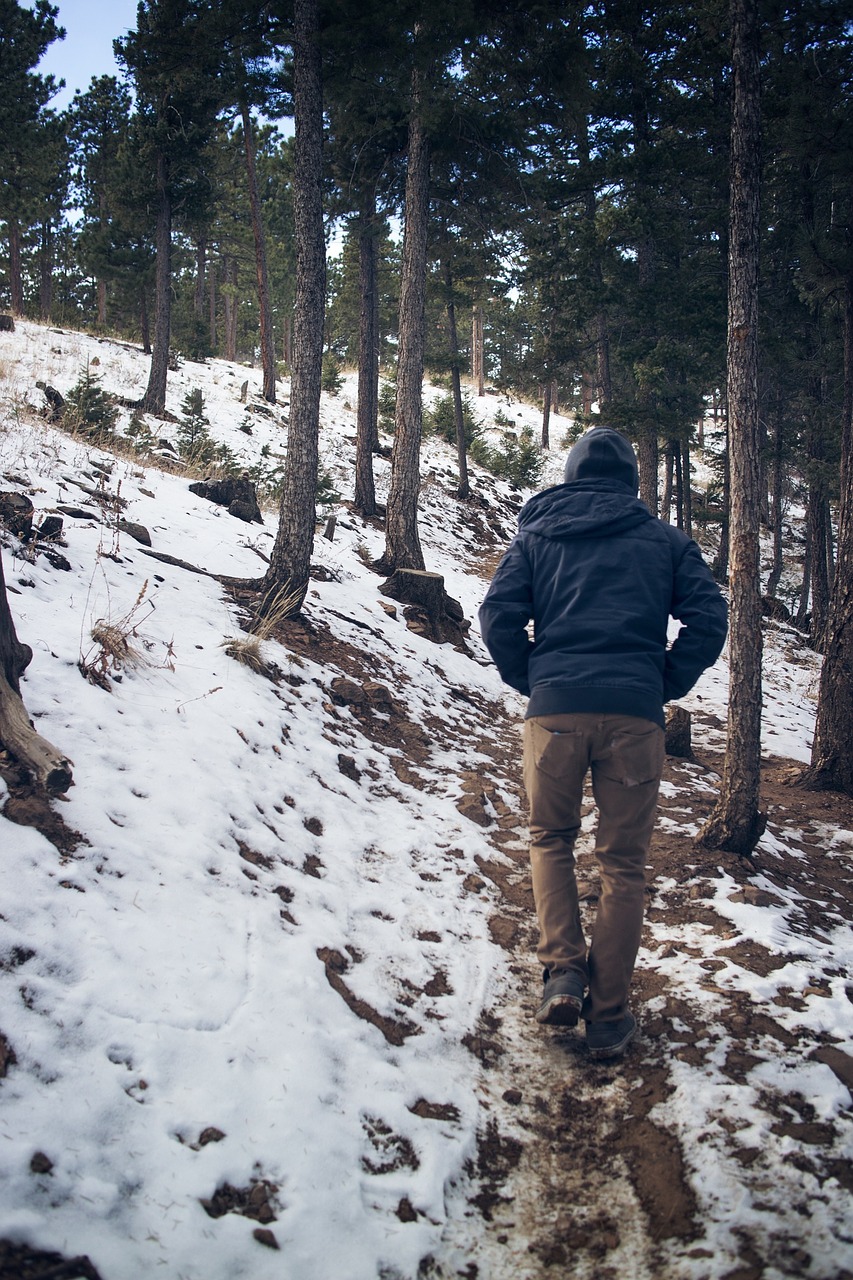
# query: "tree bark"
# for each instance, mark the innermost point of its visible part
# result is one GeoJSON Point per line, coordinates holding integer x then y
{"type": "Point", "coordinates": [832, 753]}
{"type": "Point", "coordinates": [688, 492]}
{"type": "Point", "coordinates": [402, 543]}
{"type": "Point", "coordinates": [200, 272]}
{"type": "Point", "coordinates": [720, 567]}
{"type": "Point", "coordinates": [776, 497]}
{"type": "Point", "coordinates": [264, 310]}
{"type": "Point", "coordinates": [736, 823]}
{"type": "Point", "coordinates": [478, 363]}
{"type": "Point", "coordinates": [154, 400]}
{"type": "Point", "coordinates": [546, 414]}
{"type": "Point", "coordinates": [16, 284]}
{"type": "Point", "coordinates": [464, 488]}
{"type": "Point", "coordinates": [290, 563]}
{"type": "Point", "coordinates": [367, 433]}
{"type": "Point", "coordinates": [211, 280]}
{"type": "Point", "coordinates": [144, 327]}
{"type": "Point", "coordinates": [46, 269]}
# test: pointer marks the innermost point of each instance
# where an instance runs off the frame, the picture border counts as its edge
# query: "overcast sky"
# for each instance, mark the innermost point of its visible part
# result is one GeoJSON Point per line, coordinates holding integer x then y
{"type": "Point", "coordinates": [87, 50]}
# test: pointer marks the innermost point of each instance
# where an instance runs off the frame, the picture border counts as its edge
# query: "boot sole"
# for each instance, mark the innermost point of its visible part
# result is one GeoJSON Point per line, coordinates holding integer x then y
{"type": "Point", "coordinates": [559, 1011]}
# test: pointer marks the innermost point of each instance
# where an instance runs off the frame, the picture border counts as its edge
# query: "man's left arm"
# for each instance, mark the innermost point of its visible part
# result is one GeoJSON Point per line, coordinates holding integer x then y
{"type": "Point", "coordinates": [504, 615]}
{"type": "Point", "coordinates": [699, 605]}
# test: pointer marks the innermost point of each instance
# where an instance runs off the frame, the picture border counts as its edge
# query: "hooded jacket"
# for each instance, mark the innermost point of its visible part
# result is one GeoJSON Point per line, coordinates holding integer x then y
{"type": "Point", "coordinates": [600, 576]}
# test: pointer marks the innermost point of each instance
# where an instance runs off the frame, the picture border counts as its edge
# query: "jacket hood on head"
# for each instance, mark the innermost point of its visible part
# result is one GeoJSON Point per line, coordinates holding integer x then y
{"type": "Point", "coordinates": [603, 454]}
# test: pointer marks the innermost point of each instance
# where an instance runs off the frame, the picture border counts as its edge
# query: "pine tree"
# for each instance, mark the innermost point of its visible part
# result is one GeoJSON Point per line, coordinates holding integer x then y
{"type": "Point", "coordinates": [25, 174]}
{"type": "Point", "coordinates": [173, 57]}
{"type": "Point", "coordinates": [290, 561]}
{"type": "Point", "coordinates": [736, 822]}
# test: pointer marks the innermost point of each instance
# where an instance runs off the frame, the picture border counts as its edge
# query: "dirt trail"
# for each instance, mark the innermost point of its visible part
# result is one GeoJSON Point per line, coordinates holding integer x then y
{"type": "Point", "coordinates": [579, 1170]}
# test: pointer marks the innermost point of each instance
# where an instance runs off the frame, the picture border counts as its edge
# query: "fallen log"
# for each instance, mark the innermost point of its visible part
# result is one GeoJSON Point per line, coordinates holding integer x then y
{"type": "Point", "coordinates": [17, 735]}
{"type": "Point", "coordinates": [47, 764]}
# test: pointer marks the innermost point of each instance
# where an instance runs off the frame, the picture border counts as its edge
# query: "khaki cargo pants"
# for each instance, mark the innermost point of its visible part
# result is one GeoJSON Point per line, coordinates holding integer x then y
{"type": "Point", "coordinates": [624, 755]}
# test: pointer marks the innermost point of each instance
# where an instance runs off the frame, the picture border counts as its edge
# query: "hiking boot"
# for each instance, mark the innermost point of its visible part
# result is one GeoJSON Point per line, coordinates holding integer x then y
{"type": "Point", "coordinates": [562, 998]}
{"type": "Point", "coordinates": [610, 1039]}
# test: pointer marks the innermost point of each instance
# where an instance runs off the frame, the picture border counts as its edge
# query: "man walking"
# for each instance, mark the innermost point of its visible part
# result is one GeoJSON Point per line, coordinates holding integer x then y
{"type": "Point", "coordinates": [599, 576]}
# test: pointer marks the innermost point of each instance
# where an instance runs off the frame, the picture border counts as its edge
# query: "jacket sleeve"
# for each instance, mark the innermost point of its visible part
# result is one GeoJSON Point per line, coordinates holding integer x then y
{"type": "Point", "coordinates": [504, 615]}
{"type": "Point", "coordinates": [699, 605]}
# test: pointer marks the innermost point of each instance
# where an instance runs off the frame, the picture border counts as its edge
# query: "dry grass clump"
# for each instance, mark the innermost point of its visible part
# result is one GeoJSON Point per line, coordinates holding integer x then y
{"type": "Point", "coordinates": [112, 650]}
{"type": "Point", "coordinates": [275, 607]}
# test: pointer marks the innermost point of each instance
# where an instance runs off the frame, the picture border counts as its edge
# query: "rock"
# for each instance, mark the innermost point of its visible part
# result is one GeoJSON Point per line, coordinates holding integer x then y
{"type": "Point", "coordinates": [135, 531]}
{"type": "Point", "coordinates": [77, 513]}
{"type": "Point", "coordinates": [346, 692]}
{"type": "Point", "coordinates": [348, 767]}
{"type": "Point", "coordinates": [55, 402]}
{"type": "Point", "coordinates": [237, 493]}
{"type": "Point", "coordinates": [678, 725]}
{"type": "Point", "coordinates": [40, 1163]}
{"type": "Point", "coordinates": [50, 529]}
{"type": "Point", "coordinates": [16, 512]}
{"type": "Point", "coordinates": [264, 1236]}
{"type": "Point", "coordinates": [378, 696]}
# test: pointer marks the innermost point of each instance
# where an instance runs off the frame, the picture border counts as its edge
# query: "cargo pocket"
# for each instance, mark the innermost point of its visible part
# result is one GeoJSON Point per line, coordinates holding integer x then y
{"type": "Point", "coordinates": [634, 757]}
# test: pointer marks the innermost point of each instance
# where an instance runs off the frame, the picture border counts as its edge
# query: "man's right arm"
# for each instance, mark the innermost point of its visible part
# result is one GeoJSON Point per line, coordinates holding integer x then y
{"type": "Point", "coordinates": [504, 615]}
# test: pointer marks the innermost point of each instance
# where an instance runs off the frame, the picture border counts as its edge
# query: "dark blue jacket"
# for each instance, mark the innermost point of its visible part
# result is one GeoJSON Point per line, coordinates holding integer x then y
{"type": "Point", "coordinates": [599, 576]}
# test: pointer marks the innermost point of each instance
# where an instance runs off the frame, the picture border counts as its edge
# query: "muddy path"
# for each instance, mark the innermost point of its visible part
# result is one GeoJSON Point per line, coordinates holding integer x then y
{"type": "Point", "coordinates": [720, 1146]}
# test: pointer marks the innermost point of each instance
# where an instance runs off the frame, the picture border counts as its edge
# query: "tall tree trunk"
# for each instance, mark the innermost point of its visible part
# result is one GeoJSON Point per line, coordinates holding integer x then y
{"type": "Point", "coordinates": [832, 753]}
{"type": "Point", "coordinates": [806, 585]}
{"type": "Point", "coordinates": [290, 563]}
{"type": "Point", "coordinates": [464, 487]}
{"type": "Point", "coordinates": [647, 446]}
{"type": "Point", "coordinates": [200, 272]}
{"type": "Point", "coordinates": [154, 400]}
{"type": "Point", "coordinates": [402, 543]}
{"type": "Point", "coordinates": [46, 269]}
{"type": "Point", "coordinates": [668, 469]}
{"type": "Point", "coordinates": [720, 567]}
{"type": "Point", "coordinates": [211, 277]}
{"type": "Point", "coordinates": [478, 362]}
{"type": "Point", "coordinates": [688, 492]}
{"type": "Point", "coordinates": [777, 493]}
{"type": "Point", "coordinates": [816, 511]}
{"type": "Point", "coordinates": [229, 297]}
{"type": "Point", "coordinates": [367, 434]}
{"type": "Point", "coordinates": [736, 823]}
{"type": "Point", "coordinates": [103, 221]}
{"type": "Point", "coordinates": [16, 283]}
{"type": "Point", "coordinates": [144, 326]}
{"type": "Point", "coordinates": [546, 414]}
{"type": "Point", "coordinates": [679, 484]}
{"type": "Point", "coordinates": [264, 310]}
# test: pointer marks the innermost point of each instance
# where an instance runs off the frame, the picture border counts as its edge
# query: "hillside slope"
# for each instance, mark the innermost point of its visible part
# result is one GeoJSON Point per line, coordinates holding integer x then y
{"type": "Point", "coordinates": [267, 970]}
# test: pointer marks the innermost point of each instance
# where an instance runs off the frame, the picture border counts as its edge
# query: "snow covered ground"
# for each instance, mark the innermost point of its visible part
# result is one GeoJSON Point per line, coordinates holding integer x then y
{"type": "Point", "coordinates": [252, 981]}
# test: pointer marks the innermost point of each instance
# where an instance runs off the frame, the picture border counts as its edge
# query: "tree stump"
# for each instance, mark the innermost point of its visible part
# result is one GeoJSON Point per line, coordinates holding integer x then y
{"type": "Point", "coordinates": [7, 324]}
{"type": "Point", "coordinates": [678, 728]}
{"type": "Point", "coordinates": [430, 612]}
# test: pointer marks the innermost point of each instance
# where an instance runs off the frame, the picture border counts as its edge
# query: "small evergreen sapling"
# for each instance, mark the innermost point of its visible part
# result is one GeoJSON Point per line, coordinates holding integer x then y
{"type": "Point", "coordinates": [194, 440]}
{"type": "Point", "coordinates": [90, 409]}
